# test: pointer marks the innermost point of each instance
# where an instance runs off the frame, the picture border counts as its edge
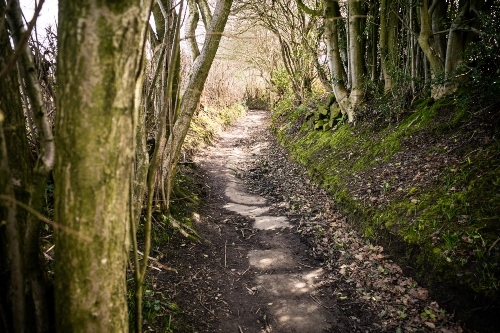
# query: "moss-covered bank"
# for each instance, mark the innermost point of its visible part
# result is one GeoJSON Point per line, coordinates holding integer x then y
{"type": "Point", "coordinates": [208, 123]}
{"type": "Point", "coordinates": [427, 187]}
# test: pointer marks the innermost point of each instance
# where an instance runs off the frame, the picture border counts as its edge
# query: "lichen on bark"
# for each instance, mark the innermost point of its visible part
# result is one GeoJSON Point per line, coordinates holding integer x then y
{"type": "Point", "coordinates": [99, 55]}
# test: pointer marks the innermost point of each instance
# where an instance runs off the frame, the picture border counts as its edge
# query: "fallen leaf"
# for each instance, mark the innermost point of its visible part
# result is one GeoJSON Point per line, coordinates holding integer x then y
{"type": "Point", "coordinates": [429, 324]}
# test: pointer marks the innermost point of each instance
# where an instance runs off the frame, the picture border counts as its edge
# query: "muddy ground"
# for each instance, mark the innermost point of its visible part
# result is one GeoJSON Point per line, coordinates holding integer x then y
{"type": "Point", "coordinates": [277, 256]}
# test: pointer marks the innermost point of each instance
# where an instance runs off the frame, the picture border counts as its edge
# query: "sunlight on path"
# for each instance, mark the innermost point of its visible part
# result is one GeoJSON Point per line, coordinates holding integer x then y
{"type": "Point", "coordinates": [288, 289]}
{"type": "Point", "coordinates": [270, 259]}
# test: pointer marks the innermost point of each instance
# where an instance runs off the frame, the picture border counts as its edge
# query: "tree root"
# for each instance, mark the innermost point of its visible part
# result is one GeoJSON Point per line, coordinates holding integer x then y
{"type": "Point", "coordinates": [184, 229]}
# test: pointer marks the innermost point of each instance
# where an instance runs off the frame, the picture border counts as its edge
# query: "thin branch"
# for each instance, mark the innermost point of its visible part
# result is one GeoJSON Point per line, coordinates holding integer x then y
{"type": "Point", "coordinates": [22, 42]}
{"type": "Point", "coordinates": [42, 218]}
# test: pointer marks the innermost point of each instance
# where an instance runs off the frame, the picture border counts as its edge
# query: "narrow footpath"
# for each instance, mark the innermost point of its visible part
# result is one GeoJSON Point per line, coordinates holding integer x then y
{"type": "Point", "coordinates": [279, 257]}
{"type": "Point", "coordinates": [281, 284]}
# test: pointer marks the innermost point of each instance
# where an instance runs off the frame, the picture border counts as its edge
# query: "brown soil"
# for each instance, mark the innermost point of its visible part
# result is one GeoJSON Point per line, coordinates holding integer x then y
{"type": "Point", "coordinates": [277, 256]}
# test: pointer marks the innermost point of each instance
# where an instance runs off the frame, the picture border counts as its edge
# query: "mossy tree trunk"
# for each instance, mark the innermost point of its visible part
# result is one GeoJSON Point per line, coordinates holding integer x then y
{"type": "Point", "coordinates": [332, 14]}
{"type": "Point", "coordinates": [356, 17]}
{"type": "Point", "coordinates": [348, 101]}
{"type": "Point", "coordinates": [435, 62]}
{"type": "Point", "coordinates": [100, 51]}
{"type": "Point", "coordinates": [388, 42]}
{"type": "Point", "coordinates": [445, 55]}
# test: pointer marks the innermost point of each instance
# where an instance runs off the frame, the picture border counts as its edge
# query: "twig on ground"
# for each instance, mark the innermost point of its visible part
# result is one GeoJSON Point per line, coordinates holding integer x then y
{"type": "Point", "coordinates": [305, 265]}
{"type": "Point", "coordinates": [157, 263]}
{"type": "Point", "coordinates": [211, 311]}
{"type": "Point", "coordinates": [493, 245]}
{"type": "Point", "coordinates": [241, 275]}
{"type": "Point", "coordinates": [251, 235]}
{"type": "Point", "coordinates": [245, 271]}
{"type": "Point", "coordinates": [319, 303]}
{"type": "Point", "coordinates": [194, 235]}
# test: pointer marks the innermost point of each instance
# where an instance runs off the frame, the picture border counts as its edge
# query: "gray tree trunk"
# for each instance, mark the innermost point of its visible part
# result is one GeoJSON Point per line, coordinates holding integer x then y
{"type": "Point", "coordinates": [332, 14]}
{"type": "Point", "coordinates": [388, 46]}
{"type": "Point", "coordinates": [192, 22]}
{"type": "Point", "coordinates": [355, 56]}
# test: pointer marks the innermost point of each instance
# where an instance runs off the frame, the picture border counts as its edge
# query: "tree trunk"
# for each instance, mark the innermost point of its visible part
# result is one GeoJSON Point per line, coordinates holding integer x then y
{"type": "Point", "coordinates": [15, 171]}
{"type": "Point", "coordinates": [458, 41]}
{"type": "Point", "coordinates": [159, 14]}
{"type": "Point", "coordinates": [435, 62]}
{"type": "Point", "coordinates": [438, 40]}
{"type": "Point", "coordinates": [194, 87]}
{"type": "Point", "coordinates": [388, 46]}
{"type": "Point", "coordinates": [99, 64]}
{"type": "Point", "coordinates": [12, 304]}
{"type": "Point", "coordinates": [33, 263]}
{"type": "Point", "coordinates": [356, 56]}
{"type": "Point", "coordinates": [206, 13]}
{"type": "Point", "coordinates": [332, 13]}
{"type": "Point", "coordinates": [192, 23]}
{"type": "Point", "coordinates": [372, 49]}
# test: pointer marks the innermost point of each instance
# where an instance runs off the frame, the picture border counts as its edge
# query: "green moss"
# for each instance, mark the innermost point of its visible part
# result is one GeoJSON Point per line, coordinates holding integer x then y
{"type": "Point", "coordinates": [207, 124]}
{"type": "Point", "coordinates": [448, 225]}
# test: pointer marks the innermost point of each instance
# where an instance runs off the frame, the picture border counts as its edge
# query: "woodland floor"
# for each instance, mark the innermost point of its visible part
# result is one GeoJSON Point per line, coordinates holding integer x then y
{"type": "Point", "coordinates": [267, 231]}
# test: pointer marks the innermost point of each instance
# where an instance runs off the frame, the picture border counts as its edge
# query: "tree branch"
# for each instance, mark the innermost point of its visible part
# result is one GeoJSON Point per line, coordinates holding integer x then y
{"type": "Point", "coordinates": [308, 10]}
{"type": "Point", "coordinates": [22, 42]}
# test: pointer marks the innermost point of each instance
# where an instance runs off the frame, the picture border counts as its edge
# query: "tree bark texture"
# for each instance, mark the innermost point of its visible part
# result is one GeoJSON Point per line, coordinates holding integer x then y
{"type": "Point", "coordinates": [206, 13]}
{"type": "Point", "coordinates": [33, 263]}
{"type": "Point", "coordinates": [12, 304]}
{"type": "Point", "coordinates": [388, 46]}
{"type": "Point", "coordinates": [355, 55]}
{"type": "Point", "coordinates": [332, 13]}
{"type": "Point", "coordinates": [436, 63]}
{"type": "Point", "coordinates": [194, 87]}
{"type": "Point", "coordinates": [192, 22]}
{"type": "Point", "coordinates": [98, 68]}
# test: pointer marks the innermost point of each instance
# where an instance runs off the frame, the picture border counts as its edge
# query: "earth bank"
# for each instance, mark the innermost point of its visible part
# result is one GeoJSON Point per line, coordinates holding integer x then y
{"type": "Point", "coordinates": [426, 187]}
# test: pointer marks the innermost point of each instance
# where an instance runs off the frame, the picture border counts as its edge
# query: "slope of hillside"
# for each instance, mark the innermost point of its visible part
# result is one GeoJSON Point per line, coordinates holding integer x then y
{"type": "Point", "coordinates": [426, 187]}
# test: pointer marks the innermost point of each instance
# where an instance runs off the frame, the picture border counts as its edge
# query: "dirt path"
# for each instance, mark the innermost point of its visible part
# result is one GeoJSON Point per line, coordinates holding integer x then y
{"type": "Point", "coordinates": [270, 283]}
{"type": "Point", "coordinates": [279, 257]}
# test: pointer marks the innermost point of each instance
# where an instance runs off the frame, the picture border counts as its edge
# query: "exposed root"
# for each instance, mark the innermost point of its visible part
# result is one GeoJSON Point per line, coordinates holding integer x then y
{"type": "Point", "coordinates": [184, 229]}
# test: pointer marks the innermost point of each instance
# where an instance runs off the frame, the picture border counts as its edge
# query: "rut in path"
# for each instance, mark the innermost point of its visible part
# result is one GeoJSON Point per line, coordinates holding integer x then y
{"type": "Point", "coordinates": [283, 288]}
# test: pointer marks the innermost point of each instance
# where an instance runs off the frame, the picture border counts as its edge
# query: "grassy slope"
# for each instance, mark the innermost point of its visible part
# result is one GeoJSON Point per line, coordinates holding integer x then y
{"type": "Point", "coordinates": [427, 188]}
